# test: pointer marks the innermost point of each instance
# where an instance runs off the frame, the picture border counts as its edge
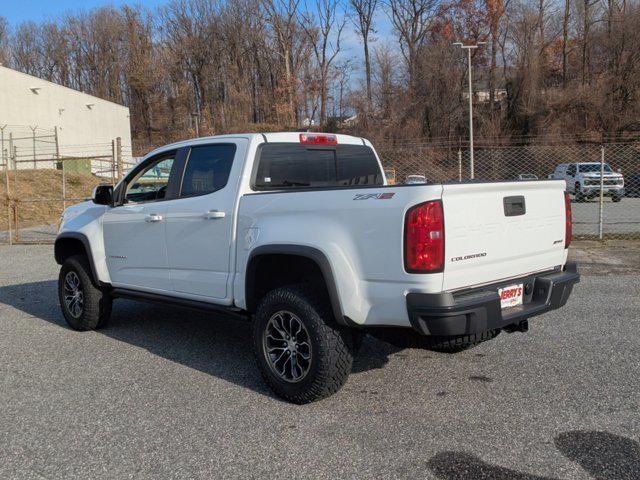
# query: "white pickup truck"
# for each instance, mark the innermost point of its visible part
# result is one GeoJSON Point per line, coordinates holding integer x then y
{"type": "Point", "coordinates": [301, 234]}
{"type": "Point", "coordinates": [585, 180]}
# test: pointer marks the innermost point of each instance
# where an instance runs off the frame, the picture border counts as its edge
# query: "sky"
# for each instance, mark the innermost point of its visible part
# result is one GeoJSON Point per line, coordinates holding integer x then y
{"type": "Point", "coordinates": [37, 10]}
{"type": "Point", "coordinates": [18, 11]}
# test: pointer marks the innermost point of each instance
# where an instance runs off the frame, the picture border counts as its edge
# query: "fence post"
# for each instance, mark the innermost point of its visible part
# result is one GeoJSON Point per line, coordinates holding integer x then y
{"type": "Point", "coordinates": [601, 206]}
{"type": "Point", "coordinates": [61, 163]}
{"type": "Point", "coordinates": [33, 132]}
{"type": "Point", "coordinates": [5, 157]}
{"type": "Point", "coordinates": [459, 165]}
{"type": "Point", "coordinates": [2, 141]}
{"type": "Point", "coordinates": [113, 162]}
{"type": "Point", "coordinates": [10, 146]}
{"type": "Point", "coordinates": [119, 156]}
{"type": "Point", "coordinates": [16, 221]}
{"type": "Point", "coordinates": [14, 203]}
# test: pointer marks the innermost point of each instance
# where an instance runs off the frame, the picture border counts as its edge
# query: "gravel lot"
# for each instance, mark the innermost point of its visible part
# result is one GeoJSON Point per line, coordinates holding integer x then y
{"type": "Point", "coordinates": [168, 393]}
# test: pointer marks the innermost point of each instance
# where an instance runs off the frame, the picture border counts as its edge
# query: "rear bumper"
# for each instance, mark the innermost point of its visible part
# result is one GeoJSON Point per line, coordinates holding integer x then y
{"type": "Point", "coordinates": [478, 310]}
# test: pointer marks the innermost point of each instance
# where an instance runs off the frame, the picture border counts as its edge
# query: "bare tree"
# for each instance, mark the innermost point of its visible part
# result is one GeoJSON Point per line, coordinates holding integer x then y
{"type": "Point", "coordinates": [412, 20]}
{"type": "Point", "coordinates": [242, 68]}
{"type": "Point", "coordinates": [587, 7]}
{"type": "Point", "coordinates": [495, 12]}
{"type": "Point", "coordinates": [342, 79]}
{"type": "Point", "coordinates": [364, 10]}
{"type": "Point", "coordinates": [385, 80]}
{"type": "Point", "coordinates": [565, 41]}
{"type": "Point", "coordinates": [4, 41]}
{"type": "Point", "coordinates": [324, 29]}
{"type": "Point", "coordinates": [283, 16]}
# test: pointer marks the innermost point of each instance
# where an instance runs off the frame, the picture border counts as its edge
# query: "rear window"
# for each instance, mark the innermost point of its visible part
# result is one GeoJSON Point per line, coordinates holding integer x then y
{"type": "Point", "coordinates": [289, 166]}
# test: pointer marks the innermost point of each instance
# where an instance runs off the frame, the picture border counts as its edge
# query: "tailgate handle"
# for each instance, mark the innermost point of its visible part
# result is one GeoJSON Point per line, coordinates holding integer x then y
{"type": "Point", "coordinates": [514, 206]}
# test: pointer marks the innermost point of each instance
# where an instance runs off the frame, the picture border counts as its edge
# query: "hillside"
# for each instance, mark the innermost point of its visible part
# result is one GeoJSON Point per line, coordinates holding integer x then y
{"type": "Point", "coordinates": [39, 194]}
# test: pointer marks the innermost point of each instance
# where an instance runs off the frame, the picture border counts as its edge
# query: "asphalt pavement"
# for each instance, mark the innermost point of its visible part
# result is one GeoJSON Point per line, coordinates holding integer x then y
{"type": "Point", "coordinates": [621, 218]}
{"type": "Point", "coordinates": [168, 393]}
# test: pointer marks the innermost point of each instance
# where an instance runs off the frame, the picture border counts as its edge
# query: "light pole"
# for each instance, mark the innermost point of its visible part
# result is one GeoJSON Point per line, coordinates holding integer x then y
{"type": "Point", "coordinates": [468, 48]}
{"type": "Point", "coordinates": [196, 117]}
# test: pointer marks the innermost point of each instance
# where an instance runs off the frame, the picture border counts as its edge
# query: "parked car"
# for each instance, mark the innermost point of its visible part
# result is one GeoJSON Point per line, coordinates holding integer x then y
{"type": "Point", "coordinates": [632, 187]}
{"type": "Point", "coordinates": [415, 179]}
{"type": "Point", "coordinates": [527, 176]}
{"type": "Point", "coordinates": [302, 235]}
{"type": "Point", "coordinates": [583, 180]}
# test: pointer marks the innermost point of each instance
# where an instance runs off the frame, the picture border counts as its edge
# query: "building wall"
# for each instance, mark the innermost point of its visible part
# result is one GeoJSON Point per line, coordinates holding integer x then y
{"type": "Point", "coordinates": [85, 124]}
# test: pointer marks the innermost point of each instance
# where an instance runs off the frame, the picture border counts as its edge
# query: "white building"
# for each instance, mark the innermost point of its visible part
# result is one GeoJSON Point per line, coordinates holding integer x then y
{"type": "Point", "coordinates": [43, 120]}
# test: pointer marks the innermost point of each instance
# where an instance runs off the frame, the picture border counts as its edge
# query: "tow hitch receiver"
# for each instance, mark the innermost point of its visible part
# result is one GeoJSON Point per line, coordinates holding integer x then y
{"type": "Point", "coordinates": [522, 326]}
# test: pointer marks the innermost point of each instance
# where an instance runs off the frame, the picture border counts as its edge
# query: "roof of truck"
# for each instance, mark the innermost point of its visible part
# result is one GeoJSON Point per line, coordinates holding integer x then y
{"type": "Point", "coordinates": [270, 137]}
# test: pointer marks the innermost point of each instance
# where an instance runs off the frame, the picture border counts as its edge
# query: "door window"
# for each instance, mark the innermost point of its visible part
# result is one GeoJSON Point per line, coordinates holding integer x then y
{"type": "Point", "coordinates": [150, 185]}
{"type": "Point", "coordinates": [207, 169]}
{"type": "Point", "coordinates": [571, 171]}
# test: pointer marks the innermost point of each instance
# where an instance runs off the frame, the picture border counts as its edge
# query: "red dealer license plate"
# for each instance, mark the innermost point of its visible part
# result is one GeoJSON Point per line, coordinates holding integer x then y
{"type": "Point", "coordinates": [510, 296]}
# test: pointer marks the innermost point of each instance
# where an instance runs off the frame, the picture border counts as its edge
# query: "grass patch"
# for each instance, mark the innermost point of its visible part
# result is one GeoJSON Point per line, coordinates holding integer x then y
{"type": "Point", "coordinates": [38, 194]}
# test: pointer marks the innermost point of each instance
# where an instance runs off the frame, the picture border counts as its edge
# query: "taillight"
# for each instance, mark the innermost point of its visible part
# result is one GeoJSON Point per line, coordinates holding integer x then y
{"type": "Point", "coordinates": [424, 238]}
{"type": "Point", "coordinates": [318, 139]}
{"type": "Point", "coordinates": [568, 234]}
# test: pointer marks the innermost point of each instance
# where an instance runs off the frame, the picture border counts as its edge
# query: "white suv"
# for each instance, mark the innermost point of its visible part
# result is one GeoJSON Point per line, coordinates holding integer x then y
{"type": "Point", "coordinates": [584, 179]}
{"type": "Point", "coordinates": [301, 235]}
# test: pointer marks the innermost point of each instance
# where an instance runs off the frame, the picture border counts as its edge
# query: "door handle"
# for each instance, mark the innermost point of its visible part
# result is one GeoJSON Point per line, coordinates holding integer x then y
{"type": "Point", "coordinates": [213, 214]}
{"type": "Point", "coordinates": [153, 217]}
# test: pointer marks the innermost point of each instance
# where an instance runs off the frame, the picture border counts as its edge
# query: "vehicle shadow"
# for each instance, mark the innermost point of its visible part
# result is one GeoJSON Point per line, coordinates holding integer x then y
{"type": "Point", "coordinates": [465, 466]}
{"type": "Point", "coordinates": [219, 346]}
{"type": "Point", "coordinates": [603, 455]}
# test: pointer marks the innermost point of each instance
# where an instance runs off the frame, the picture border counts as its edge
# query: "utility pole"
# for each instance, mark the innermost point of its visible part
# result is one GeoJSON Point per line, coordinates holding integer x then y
{"type": "Point", "coordinates": [468, 48]}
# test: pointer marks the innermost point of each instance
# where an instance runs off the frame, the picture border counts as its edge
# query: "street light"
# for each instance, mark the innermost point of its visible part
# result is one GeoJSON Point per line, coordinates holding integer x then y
{"type": "Point", "coordinates": [196, 117]}
{"type": "Point", "coordinates": [468, 48]}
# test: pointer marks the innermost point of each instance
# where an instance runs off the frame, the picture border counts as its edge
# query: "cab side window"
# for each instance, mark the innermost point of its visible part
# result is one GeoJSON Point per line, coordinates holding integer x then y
{"type": "Point", "coordinates": [150, 184]}
{"type": "Point", "coordinates": [207, 169]}
{"type": "Point", "coordinates": [571, 170]}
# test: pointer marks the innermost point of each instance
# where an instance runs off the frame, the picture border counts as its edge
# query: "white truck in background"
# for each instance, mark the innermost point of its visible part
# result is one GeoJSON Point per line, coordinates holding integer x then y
{"type": "Point", "coordinates": [585, 179]}
{"type": "Point", "coordinates": [301, 234]}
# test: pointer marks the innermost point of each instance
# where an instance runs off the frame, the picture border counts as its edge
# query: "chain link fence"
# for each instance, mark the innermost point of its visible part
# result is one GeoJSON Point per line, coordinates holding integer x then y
{"type": "Point", "coordinates": [40, 179]}
{"type": "Point", "coordinates": [615, 214]}
{"type": "Point", "coordinates": [32, 199]}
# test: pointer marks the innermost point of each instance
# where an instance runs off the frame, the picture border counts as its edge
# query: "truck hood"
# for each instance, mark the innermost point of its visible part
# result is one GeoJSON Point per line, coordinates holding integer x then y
{"type": "Point", "coordinates": [76, 216]}
{"type": "Point", "coordinates": [77, 209]}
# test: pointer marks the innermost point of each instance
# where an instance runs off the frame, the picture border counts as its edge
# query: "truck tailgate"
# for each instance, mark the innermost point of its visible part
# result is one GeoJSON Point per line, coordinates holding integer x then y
{"type": "Point", "coordinates": [497, 231]}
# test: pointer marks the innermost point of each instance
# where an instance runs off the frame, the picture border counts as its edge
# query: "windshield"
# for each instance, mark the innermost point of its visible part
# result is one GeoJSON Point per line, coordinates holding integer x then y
{"type": "Point", "coordinates": [594, 167]}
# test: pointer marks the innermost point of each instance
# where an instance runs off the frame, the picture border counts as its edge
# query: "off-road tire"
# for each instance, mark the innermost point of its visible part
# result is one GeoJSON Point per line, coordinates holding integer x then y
{"type": "Point", "coordinates": [616, 198]}
{"type": "Point", "coordinates": [331, 344]}
{"type": "Point", "coordinates": [96, 308]}
{"type": "Point", "coordinates": [578, 195]}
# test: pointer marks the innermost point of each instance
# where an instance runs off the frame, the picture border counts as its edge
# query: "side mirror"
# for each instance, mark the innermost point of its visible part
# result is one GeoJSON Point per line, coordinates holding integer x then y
{"type": "Point", "coordinates": [103, 195]}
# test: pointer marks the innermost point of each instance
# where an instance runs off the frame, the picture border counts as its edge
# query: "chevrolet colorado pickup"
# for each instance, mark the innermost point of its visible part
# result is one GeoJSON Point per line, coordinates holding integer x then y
{"type": "Point", "coordinates": [301, 235]}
